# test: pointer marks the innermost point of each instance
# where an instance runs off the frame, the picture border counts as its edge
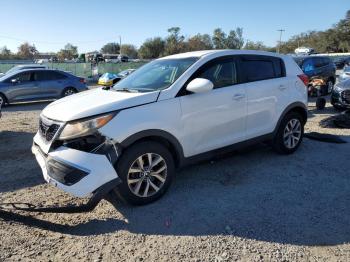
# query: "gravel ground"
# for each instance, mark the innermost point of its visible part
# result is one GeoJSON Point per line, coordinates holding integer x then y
{"type": "Point", "coordinates": [252, 205]}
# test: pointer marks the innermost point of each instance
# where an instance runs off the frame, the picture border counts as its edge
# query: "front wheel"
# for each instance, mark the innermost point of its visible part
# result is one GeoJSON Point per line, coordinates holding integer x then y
{"type": "Point", "coordinates": [146, 170]}
{"type": "Point", "coordinates": [290, 134]}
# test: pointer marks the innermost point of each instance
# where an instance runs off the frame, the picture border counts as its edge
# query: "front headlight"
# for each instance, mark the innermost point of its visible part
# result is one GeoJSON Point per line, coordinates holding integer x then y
{"type": "Point", "coordinates": [84, 127]}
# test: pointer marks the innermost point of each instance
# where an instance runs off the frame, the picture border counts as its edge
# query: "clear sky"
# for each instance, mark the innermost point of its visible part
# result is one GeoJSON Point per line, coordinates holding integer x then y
{"type": "Point", "coordinates": [89, 24]}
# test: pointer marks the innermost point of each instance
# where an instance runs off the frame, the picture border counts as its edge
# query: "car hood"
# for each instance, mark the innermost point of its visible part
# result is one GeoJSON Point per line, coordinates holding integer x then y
{"type": "Point", "coordinates": [94, 102]}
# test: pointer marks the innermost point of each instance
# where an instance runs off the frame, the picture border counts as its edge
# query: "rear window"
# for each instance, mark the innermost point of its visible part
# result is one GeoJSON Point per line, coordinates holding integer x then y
{"type": "Point", "coordinates": [256, 68]}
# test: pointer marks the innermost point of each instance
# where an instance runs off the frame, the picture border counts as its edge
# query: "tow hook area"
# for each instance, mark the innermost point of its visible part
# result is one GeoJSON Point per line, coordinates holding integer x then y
{"type": "Point", "coordinates": [98, 195]}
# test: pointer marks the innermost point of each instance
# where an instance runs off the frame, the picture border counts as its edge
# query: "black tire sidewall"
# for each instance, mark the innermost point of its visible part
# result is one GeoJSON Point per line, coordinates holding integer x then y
{"type": "Point", "coordinates": [4, 100]}
{"type": "Point", "coordinates": [279, 145]}
{"type": "Point", "coordinates": [128, 157]}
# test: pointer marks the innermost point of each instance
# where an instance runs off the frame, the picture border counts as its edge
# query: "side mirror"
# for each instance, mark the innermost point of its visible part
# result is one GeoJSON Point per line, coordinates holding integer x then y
{"type": "Point", "coordinates": [199, 85]}
{"type": "Point", "coordinates": [14, 81]}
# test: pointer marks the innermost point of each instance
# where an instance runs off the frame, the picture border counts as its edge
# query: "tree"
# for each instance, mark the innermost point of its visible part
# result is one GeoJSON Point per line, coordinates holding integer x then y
{"type": "Point", "coordinates": [152, 48]}
{"type": "Point", "coordinates": [235, 39]}
{"type": "Point", "coordinates": [111, 48]}
{"type": "Point", "coordinates": [199, 42]}
{"type": "Point", "coordinates": [5, 53]}
{"type": "Point", "coordinates": [174, 43]}
{"type": "Point", "coordinates": [219, 39]}
{"type": "Point", "coordinates": [129, 50]}
{"type": "Point", "coordinates": [250, 45]}
{"type": "Point", "coordinates": [68, 52]}
{"type": "Point", "coordinates": [27, 51]}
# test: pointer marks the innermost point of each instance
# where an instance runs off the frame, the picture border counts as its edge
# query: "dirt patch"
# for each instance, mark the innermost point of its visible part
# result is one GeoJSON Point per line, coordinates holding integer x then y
{"type": "Point", "coordinates": [252, 205]}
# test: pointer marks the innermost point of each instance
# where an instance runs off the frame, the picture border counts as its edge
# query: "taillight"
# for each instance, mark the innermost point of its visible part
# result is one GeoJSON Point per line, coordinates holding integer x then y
{"type": "Point", "coordinates": [304, 78]}
{"type": "Point", "coordinates": [82, 80]}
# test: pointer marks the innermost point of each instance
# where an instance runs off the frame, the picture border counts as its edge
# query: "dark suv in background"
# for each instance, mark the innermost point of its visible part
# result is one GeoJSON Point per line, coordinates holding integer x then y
{"type": "Point", "coordinates": [318, 67]}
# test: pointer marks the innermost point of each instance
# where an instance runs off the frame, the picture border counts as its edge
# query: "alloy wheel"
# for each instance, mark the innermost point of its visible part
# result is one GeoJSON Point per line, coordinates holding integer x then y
{"type": "Point", "coordinates": [292, 133]}
{"type": "Point", "coordinates": [69, 92]}
{"type": "Point", "coordinates": [147, 175]}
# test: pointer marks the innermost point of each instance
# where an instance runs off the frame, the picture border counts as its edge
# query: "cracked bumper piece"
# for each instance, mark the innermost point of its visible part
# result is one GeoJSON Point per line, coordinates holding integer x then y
{"type": "Point", "coordinates": [75, 172]}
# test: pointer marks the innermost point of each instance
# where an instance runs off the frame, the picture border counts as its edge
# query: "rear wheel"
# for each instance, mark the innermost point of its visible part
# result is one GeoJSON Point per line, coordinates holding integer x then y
{"type": "Point", "coordinates": [290, 134]}
{"type": "Point", "coordinates": [146, 170]}
{"type": "Point", "coordinates": [69, 91]}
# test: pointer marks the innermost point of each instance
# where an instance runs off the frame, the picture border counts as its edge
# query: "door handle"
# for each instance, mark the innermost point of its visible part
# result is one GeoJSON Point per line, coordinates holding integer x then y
{"type": "Point", "coordinates": [282, 87]}
{"type": "Point", "coordinates": [238, 96]}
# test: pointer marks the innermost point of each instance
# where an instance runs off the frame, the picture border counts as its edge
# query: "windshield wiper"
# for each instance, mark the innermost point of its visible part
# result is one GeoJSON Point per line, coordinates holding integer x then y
{"type": "Point", "coordinates": [126, 90]}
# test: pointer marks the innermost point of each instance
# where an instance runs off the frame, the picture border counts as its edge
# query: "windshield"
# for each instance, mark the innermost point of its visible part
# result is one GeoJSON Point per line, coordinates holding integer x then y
{"type": "Point", "coordinates": [156, 75]}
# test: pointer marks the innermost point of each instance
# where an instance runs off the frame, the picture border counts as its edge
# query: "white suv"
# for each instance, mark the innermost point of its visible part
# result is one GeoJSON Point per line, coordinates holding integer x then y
{"type": "Point", "coordinates": [168, 113]}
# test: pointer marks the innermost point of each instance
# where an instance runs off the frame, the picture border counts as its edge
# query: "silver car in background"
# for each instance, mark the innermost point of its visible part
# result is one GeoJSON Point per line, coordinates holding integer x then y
{"type": "Point", "coordinates": [345, 74]}
{"type": "Point", "coordinates": [38, 84]}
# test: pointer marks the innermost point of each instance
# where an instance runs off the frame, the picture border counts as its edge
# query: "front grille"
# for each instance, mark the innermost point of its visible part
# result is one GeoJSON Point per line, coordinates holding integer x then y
{"type": "Point", "coordinates": [48, 131]}
{"type": "Point", "coordinates": [346, 96]}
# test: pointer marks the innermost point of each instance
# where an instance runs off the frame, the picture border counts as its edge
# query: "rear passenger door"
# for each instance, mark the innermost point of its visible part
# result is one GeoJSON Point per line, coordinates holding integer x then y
{"type": "Point", "coordinates": [267, 92]}
{"type": "Point", "coordinates": [50, 83]}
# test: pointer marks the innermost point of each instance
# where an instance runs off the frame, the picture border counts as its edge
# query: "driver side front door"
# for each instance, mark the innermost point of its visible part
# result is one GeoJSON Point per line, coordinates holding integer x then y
{"type": "Point", "coordinates": [216, 118]}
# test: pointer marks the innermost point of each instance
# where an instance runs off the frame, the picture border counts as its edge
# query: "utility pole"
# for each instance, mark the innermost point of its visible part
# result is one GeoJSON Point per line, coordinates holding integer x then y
{"type": "Point", "coordinates": [280, 42]}
{"type": "Point", "coordinates": [120, 45]}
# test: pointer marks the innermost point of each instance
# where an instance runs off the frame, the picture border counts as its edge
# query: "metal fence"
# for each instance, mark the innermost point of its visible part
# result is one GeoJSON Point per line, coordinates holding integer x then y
{"type": "Point", "coordinates": [83, 69]}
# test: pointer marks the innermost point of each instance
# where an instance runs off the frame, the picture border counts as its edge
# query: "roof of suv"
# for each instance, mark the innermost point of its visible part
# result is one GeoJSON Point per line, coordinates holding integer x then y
{"type": "Point", "coordinates": [222, 52]}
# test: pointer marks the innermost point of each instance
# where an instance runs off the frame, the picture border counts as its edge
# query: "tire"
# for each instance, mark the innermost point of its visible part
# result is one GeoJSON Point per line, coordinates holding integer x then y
{"type": "Point", "coordinates": [141, 187]}
{"type": "Point", "coordinates": [3, 100]}
{"type": "Point", "coordinates": [283, 143]}
{"type": "Point", "coordinates": [69, 91]}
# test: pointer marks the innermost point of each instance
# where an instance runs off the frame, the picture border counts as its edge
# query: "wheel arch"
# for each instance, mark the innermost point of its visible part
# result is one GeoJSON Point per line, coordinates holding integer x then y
{"type": "Point", "coordinates": [298, 107]}
{"type": "Point", "coordinates": [160, 136]}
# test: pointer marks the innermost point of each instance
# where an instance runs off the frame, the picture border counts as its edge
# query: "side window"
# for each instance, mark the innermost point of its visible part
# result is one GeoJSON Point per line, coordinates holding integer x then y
{"type": "Point", "coordinates": [22, 77]}
{"type": "Point", "coordinates": [222, 73]}
{"type": "Point", "coordinates": [40, 76]}
{"type": "Point", "coordinates": [308, 65]}
{"type": "Point", "coordinates": [56, 75]}
{"type": "Point", "coordinates": [47, 76]}
{"type": "Point", "coordinates": [255, 70]}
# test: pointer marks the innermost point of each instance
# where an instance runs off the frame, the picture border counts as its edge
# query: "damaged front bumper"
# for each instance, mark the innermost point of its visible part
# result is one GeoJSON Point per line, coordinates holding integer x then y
{"type": "Point", "coordinates": [76, 172]}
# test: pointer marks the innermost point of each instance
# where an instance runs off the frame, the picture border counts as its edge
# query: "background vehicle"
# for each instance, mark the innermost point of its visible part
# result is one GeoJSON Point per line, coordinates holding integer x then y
{"type": "Point", "coordinates": [345, 74]}
{"type": "Point", "coordinates": [25, 67]}
{"type": "Point", "coordinates": [340, 98]}
{"type": "Point", "coordinates": [342, 62]}
{"type": "Point", "coordinates": [111, 58]}
{"type": "Point", "coordinates": [166, 114]}
{"type": "Point", "coordinates": [123, 58]}
{"type": "Point", "coordinates": [108, 79]}
{"type": "Point", "coordinates": [38, 84]}
{"type": "Point", "coordinates": [304, 51]}
{"type": "Point", "coordinates": [318, 67]}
